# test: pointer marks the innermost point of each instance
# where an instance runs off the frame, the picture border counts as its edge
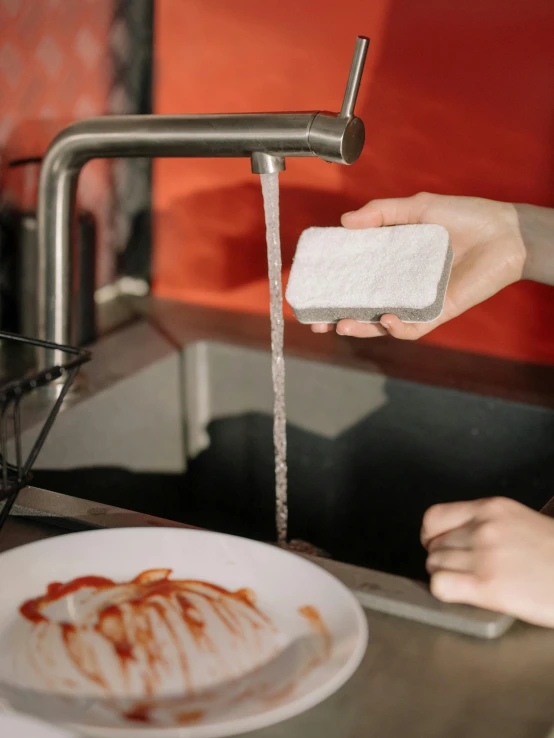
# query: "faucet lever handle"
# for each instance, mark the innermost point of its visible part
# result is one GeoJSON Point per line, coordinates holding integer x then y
{"type": "Point", "coordinates": [354, 78]}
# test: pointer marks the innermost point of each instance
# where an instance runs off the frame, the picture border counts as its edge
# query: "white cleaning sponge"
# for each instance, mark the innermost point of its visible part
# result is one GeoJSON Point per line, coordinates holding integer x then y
{"type": "Point", "coordinates": [364, 274]}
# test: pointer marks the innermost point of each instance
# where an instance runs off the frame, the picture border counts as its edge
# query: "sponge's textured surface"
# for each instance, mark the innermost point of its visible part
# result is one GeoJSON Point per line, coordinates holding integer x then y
{"type": "Point", "coordinates": [364, 274]}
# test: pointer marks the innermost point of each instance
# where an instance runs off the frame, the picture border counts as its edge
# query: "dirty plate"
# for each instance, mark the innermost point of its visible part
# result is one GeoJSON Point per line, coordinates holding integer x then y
{"type": "Point", "coordinates": [173, 632]}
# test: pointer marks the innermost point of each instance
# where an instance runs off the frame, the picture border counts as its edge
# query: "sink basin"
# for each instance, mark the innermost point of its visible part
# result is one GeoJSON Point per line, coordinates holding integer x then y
{"type": "Point", "coordinates": [188, 436]}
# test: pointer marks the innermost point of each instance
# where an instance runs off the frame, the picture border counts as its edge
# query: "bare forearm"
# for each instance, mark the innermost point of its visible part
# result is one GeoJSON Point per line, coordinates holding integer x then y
{"type": "Point", "coordinates": [537, 231]}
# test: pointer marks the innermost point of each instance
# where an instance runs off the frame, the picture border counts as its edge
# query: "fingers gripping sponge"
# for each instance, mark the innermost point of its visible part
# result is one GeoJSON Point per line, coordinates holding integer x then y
{"type": "Point", "coordinates": [364, 274]}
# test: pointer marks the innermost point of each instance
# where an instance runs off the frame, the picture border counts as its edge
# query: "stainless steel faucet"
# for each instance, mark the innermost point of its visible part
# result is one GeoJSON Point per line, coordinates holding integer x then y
{"type": "Point", "coordinates": [267, 138]}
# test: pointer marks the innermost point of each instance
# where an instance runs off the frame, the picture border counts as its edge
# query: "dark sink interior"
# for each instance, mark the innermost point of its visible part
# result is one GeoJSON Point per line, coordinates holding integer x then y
{"type": "Point", "coordinates": [361, 495]}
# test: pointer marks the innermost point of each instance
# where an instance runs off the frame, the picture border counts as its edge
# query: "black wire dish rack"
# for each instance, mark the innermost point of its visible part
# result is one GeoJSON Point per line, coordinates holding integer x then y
{"type": "Point", "coordinates": [26, 366]}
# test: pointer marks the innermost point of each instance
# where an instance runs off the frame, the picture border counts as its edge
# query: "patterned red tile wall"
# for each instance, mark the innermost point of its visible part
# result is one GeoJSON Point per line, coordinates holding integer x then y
{"type": "Point", "coordinates": [54, 68]}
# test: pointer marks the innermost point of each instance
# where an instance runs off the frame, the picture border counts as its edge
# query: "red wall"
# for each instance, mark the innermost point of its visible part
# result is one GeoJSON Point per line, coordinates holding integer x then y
{"type": "Point", "coordinates": [458, 98]}
{"type": "Point", "coordinates": [53, 70]}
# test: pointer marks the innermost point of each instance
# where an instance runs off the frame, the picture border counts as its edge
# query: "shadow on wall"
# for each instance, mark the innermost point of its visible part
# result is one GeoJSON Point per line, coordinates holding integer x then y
{"type": "Point", "coordinates": [229, 223]}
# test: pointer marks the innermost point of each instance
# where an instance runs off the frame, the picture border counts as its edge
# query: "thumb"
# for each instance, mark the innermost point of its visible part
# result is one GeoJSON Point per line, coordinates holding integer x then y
{"type": "Point", "coordinates": [392, 211]}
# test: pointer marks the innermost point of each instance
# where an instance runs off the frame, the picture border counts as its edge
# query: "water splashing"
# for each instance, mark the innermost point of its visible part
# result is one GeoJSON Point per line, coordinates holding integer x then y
{"type": "Point", "coordinates": [270, 191]}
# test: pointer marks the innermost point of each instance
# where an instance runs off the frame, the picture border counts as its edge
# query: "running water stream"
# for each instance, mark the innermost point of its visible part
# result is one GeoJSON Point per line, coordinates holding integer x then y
{"type": "Point", "coordinates": [270, 191]}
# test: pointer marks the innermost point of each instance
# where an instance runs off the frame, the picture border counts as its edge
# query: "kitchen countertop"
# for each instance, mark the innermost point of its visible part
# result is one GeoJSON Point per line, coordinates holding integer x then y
{"type": "Point", "coordinates": [417, 680]}
{"type": "Point", "coordinates": [18, 531]}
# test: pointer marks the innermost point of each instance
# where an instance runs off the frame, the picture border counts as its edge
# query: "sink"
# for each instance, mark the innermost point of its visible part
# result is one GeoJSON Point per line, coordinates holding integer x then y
{"type": "Point", "coordinates": [185, 432]}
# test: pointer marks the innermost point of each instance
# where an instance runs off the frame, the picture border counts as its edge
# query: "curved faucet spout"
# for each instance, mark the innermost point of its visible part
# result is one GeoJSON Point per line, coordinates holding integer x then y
{"type": "Point", "coordinates": [335, 138]}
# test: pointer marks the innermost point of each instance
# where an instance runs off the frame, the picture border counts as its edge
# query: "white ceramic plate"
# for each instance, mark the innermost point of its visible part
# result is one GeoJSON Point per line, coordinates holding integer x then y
{"type": "Point", "coordinates": [19, 726]}
{"type": "Point", "coordinates": [311, 652]}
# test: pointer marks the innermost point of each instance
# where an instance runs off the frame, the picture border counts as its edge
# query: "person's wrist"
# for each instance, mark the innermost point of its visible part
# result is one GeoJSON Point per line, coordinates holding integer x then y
{"type": "Point", "coordinates": [524, 216]}
{"type": "Point", "coordinates": [517, 249]}
{"type": "Point", "coordinates": [536, 226]}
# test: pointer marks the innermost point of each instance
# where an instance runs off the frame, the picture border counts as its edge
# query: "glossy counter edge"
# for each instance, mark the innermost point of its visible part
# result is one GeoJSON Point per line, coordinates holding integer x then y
{"type": "Point", "coordinates": [416, 361]}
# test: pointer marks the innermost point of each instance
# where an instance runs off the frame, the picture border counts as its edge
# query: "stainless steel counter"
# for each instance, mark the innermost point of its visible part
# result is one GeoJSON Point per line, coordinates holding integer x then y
{"type": "Point", "coordinates": [415, 680]}
{"type": "Point", "coordinates": [18, 531]}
